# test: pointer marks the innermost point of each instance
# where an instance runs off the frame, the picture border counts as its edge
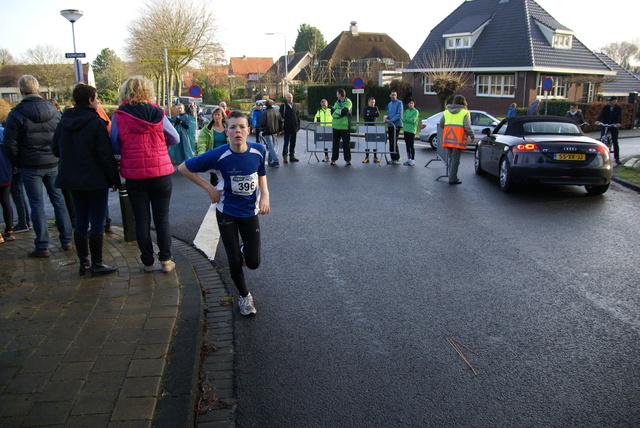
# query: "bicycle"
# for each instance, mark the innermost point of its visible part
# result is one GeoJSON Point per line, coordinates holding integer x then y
{"type": "Point", "coordinates": [606, 137]}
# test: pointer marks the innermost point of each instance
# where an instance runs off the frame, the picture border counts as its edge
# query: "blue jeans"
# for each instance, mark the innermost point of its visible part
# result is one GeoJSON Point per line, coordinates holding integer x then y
{"type": "Point", "coordinates": [151, 194]}
{"type": "Point", "coordinates": [20, 199]}
{"type": "Point", "coordinates": [91, 208]}
{"type": "Point", "coordinates": [33, 180]}
{"type": "Point", "coordinates": [272, 156]}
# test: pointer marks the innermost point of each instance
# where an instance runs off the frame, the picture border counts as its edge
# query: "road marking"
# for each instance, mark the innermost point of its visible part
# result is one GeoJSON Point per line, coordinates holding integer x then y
{"type": "Point", "coordinates": [206, 239]}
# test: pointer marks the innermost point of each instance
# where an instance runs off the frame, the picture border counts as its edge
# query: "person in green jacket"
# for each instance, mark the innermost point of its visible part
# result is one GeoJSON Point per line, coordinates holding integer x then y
{"type": "Point", "coordinates": [410, 119]}
{"type": "Point", "coordinates": [341, 121]}
{"type": "Point", "coordinates": [212, 136]}
{"type": "Point", "coordinates": [323, 116]}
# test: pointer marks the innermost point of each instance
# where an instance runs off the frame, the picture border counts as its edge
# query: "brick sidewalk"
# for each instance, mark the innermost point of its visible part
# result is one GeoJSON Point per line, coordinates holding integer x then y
{"type": "Point", "coordinates": [84, 351]}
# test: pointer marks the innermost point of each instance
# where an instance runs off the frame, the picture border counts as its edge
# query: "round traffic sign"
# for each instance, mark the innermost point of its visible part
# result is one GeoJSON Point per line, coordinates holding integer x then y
{"type": "Point", "coordinates": [357, 83]}
{"type": "Point", "coordinates": [195, 91]}
{"type": "Point", "coordinates": [547, 83]}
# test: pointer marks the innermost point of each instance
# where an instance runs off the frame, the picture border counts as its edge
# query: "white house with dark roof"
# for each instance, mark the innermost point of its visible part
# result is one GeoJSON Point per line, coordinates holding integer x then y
{"type": "Point", "coordinates": [506, 48]}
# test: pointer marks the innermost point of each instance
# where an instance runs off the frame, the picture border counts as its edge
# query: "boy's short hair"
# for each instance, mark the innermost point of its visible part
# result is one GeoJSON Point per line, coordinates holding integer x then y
{"type": "Point", "coordinates": [371, 98]}
{"type": "Point", "coordinates": [410, 99]}
{"type": "Point", "coordinates": [342, 92]}
{"type": "Point", "coordinates": [573, 105]}
{"type": "Point", "coordinates": [237, 114]}
{"type": "Point", "coordinates": [82, 94]}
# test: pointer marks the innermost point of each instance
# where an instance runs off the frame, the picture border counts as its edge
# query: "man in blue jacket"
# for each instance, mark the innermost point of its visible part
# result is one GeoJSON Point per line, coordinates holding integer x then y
{"type": "Point", "coordinates": [27, 137]}
{"type": "Point", "coordinates": [394, 123]}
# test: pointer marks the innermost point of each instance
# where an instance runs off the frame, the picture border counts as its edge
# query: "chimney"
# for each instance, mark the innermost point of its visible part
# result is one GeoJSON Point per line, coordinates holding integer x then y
{"type": "Point", "coordinates": [354, 28]}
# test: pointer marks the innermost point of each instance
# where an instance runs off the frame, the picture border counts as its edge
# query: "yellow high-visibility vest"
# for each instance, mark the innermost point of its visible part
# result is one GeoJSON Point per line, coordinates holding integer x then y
{"type": "Point", "coordinates": [453, 134]}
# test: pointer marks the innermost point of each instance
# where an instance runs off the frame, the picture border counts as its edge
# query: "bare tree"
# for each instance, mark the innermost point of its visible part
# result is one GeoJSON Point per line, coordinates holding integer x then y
{"type": "Point", "coordinates": [173, 24]}
{"type": "Point", "coordinates": [623, 52]}
{"type": "Point", "coordinates": [48, 64]}
{"type": "Point", "coordinates": [445, 69]}
{"type": "Point", "coordinates": [5, 57]}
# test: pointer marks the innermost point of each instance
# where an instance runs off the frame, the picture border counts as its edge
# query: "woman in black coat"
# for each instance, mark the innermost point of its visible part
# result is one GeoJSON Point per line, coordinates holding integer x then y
{"type": "Point", "coordinates": [88, 169]}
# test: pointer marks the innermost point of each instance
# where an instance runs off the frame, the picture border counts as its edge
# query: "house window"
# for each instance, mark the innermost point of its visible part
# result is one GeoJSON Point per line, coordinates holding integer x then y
{"type": "Point", "coordinates": [496, 85]}
{"type": "Point", "coordinates": [588, 94]}
{"type": "Point", "coordinates": [562, 41]}
{"type": "Point", "coordinates": [427, 83]}
{"type": "Point", "coordinates": [463, 42]}
{"type": "Point", "coordinates": [559, 89]}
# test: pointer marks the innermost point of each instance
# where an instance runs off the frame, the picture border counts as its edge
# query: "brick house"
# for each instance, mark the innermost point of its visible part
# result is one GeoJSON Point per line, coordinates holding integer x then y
{"type": "Point", "coordinates": [505, 49]}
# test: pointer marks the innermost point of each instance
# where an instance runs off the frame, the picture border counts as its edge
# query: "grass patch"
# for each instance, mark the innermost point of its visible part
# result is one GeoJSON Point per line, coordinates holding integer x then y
{"type": "Point", "coordinates": [629, 174]}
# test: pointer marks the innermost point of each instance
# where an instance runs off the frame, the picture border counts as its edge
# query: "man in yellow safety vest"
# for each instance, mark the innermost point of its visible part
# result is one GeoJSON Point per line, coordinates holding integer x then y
{"type": "Point", "coordinates": [456, 131]}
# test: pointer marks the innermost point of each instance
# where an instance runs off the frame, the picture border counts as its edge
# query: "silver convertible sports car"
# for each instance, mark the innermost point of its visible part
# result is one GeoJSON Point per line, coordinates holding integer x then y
{"type": "Point", "coordinates": [546, 150]}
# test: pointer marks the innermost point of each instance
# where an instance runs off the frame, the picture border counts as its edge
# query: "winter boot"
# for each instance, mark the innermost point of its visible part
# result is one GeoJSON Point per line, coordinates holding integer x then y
{"type": "Point", "coordinates": [82, 248]}
{"type": "Point", "coordinates": [97, 267]}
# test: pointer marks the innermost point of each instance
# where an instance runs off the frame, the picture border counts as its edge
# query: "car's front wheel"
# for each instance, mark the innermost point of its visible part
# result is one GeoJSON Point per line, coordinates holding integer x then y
{"type": "Point", "coordinates": [433, 140]}
{"type": "Point", "coordinates": [506, 183]}
{"type": "Point", "coordinates": [596, 190]}
{"type": "Point", "coordinates": [476, 162]}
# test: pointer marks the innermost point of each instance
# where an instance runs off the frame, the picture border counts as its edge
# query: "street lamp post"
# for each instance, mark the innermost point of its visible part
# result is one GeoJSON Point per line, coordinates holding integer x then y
{"type": "Point", "coordinates": [72, 16]}
{"type": "Point", "coordinates": [286, 62]}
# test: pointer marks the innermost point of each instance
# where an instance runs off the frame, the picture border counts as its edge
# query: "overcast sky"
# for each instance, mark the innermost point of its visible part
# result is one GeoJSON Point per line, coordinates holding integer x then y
{"type": "Point", "coordinates": [241, 25]}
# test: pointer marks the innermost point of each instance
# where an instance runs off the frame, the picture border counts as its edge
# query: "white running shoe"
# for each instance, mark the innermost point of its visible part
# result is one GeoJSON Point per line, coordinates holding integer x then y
{"type": "Point", "coordinates": [246, 305]}
{"type": "Point", "coordinates": [168, 266]}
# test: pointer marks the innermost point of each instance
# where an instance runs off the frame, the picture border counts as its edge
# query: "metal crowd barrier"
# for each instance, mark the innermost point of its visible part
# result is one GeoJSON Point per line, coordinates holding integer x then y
{"type": "Point", "coordinates": [366, 137]}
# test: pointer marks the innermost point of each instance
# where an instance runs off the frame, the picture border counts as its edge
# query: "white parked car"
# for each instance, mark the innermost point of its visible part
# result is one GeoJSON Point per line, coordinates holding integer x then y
{"type": "Point", "coordinates": [479, 121]}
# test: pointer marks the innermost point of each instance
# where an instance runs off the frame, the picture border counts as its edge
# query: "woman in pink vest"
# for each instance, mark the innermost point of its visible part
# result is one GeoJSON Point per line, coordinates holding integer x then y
{"type": "Point", "coordinates": [140, 133]}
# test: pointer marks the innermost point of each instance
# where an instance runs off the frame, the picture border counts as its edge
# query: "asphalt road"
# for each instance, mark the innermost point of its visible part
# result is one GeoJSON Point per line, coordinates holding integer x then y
{"type": "Point", "coordinates": [368, 269]}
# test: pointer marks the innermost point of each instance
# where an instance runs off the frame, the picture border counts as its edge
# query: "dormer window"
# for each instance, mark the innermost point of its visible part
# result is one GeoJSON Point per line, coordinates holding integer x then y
{"type": "Point", "coordinates": [558, 39]}
{"type": "Point", "coordinates": [459, 42]}
{"type": "Point", "coordinates": [562, 41]}
{"type": "Point", "coordinates": [465, 33]}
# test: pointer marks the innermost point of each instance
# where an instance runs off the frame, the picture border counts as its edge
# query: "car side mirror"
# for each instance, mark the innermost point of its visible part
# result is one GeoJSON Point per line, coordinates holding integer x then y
{"type": "Point", "coordinates": [494, 124]}
{"type": "Point", "coordinates": [487, 132]}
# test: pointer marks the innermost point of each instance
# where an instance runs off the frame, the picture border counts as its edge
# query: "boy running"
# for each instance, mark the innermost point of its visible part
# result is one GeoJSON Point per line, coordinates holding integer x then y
{"type": "Point", "coordinates": [241, 194]}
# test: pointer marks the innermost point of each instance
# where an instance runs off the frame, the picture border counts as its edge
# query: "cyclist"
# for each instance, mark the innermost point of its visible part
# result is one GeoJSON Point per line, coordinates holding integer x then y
{"type": "Point", "coordinates": [611, 115]}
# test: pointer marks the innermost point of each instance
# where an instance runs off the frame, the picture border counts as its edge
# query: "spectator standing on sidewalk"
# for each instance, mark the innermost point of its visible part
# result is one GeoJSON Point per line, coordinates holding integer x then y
{"type": "Point", "coordinates": [323, 116]}
{"type": "Point", "coordinates": [341, 122]}
{"type": "Point", "coordinates": [87, 169]}
{"type": "Point", "coordinates": [19, 198]}
{"type": "Point", "coordinates": [140, 133]}
{"type": "Point", "coordinates": [255, 119]}
{"type": "Point", "coordinates": [291, 117]}
{"type": "Point", "coordinates": [244, 195]}
{"type": "Point", "coordinates": [575, 114]}
{"type": "Point", "coordinates": [410, 120]}
{"type": "Point", "coordinates": [185, 125]}
{"type": "Point", "coordinates": [5, 189]}
{"type": "Point", "coordinates": [212, 136]}
{"type": "Point", "coordinates": [370, 114]}
{"type": "Point", "coordinates": [223, 105]}
{"type": "Point", "coordinates": [271, 124]}
{"type": "Point", "coordinates": [394, 121]}
{"type": "Point", "coordinates": [27, 137]}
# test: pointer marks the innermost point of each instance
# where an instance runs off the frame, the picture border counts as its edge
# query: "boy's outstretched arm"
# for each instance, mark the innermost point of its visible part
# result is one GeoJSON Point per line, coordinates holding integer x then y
{"type": "Point", "coordinates": [214, 194]}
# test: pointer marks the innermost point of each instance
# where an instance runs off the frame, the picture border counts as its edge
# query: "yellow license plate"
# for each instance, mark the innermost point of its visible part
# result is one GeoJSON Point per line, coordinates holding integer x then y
{"type": "Point", "coordinates": [571, 156]}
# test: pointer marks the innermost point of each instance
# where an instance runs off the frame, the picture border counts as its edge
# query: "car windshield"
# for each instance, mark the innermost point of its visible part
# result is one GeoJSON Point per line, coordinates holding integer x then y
{"type": "Point", "coordinates": [559, 128]}
{"type": "Point", "coordinates": [208, 110]}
